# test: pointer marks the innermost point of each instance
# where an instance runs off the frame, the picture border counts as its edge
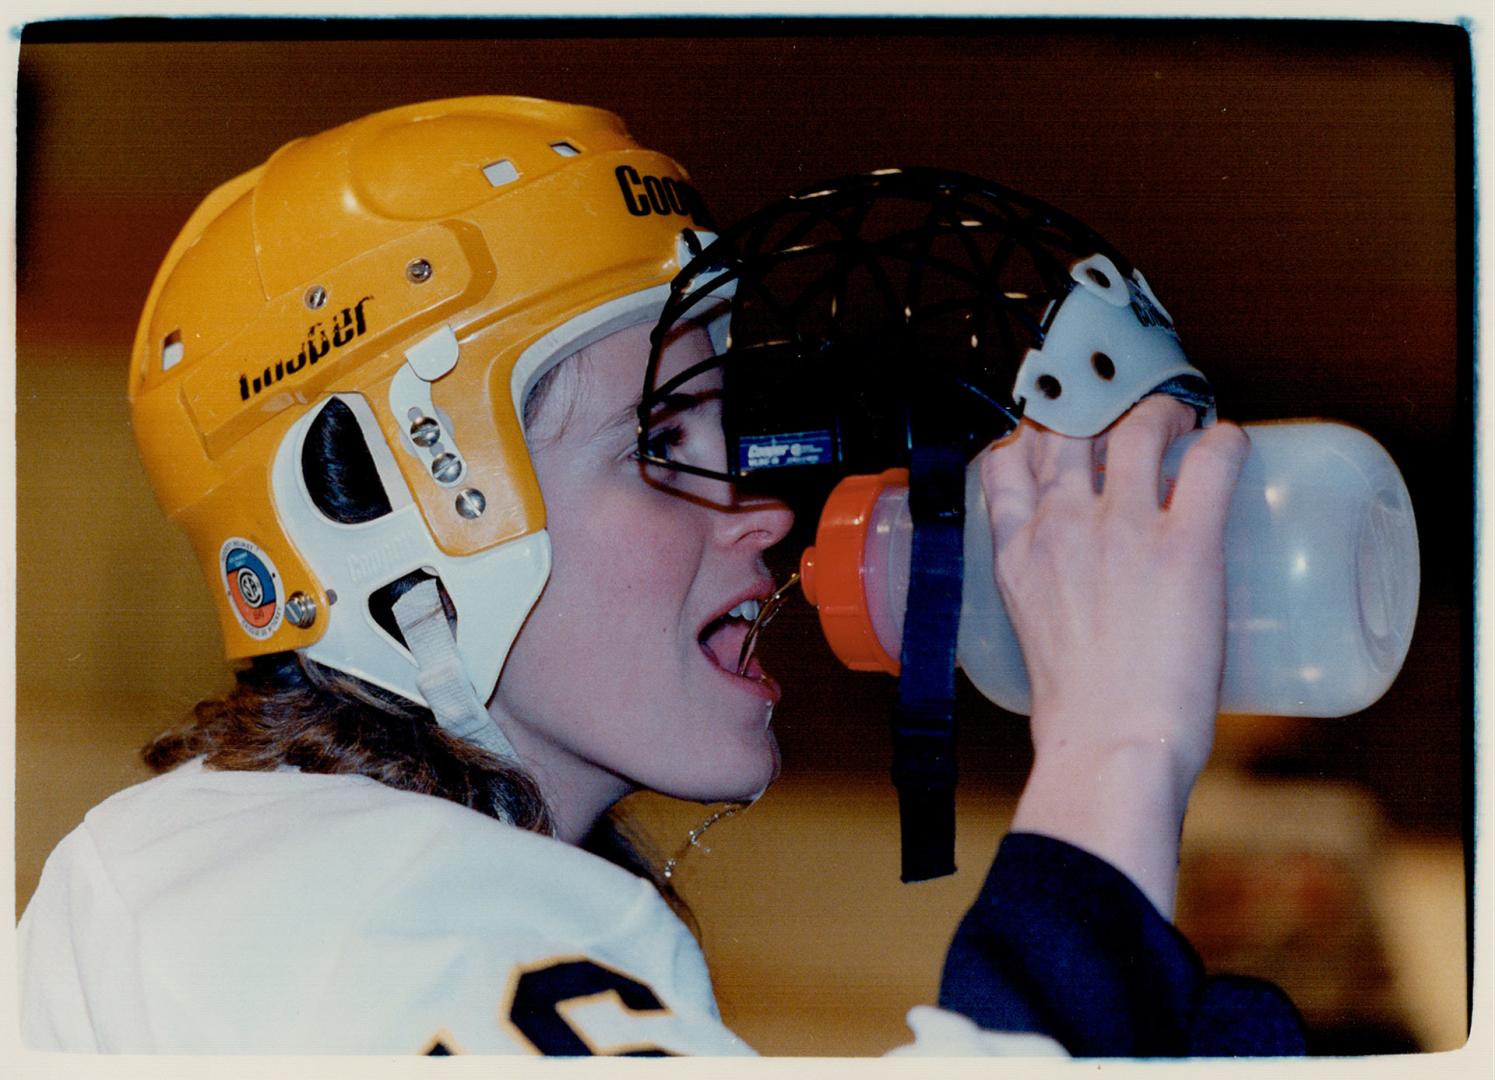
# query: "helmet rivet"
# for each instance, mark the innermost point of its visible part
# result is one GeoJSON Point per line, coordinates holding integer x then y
{"type": "Point", "coordinates": [301, 610]}
{"type": "Point", "coordinates": [446, 468]}
{"type": "Point", "coordinates": [470, 503]}
{"type": "Point", "coordinates": [418, 271]}
{"type": "Point", "coordinates": [425, 431]}
{"type": "Point", "coordinates": [316, 297]}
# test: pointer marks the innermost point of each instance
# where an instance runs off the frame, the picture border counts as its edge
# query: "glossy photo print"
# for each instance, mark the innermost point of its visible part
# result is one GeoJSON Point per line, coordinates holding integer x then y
{"type": "Point", "coordinates": [421, 425]}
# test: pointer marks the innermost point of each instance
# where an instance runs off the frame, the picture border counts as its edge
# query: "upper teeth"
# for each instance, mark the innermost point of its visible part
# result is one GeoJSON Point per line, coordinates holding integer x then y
{"type": "Point", "coordinates": [748, 610]}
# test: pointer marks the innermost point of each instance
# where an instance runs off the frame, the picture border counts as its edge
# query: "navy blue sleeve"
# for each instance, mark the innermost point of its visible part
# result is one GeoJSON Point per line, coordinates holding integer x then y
{"type": "Point", "coordinates": [1062, 943]}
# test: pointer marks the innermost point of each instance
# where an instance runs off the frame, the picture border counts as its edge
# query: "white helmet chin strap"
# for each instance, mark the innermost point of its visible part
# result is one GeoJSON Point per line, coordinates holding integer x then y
{"type": "Point", "coordinates": [442, 677]}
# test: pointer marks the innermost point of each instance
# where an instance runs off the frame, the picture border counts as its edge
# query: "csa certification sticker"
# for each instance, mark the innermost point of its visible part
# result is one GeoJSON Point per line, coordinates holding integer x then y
{"type": "Point", "coordinates": [253, 587]}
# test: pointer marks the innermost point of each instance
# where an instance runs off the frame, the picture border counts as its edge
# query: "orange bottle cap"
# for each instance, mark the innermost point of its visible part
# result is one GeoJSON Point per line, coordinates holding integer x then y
{"type": "Point", "coordinates": [831, 572]}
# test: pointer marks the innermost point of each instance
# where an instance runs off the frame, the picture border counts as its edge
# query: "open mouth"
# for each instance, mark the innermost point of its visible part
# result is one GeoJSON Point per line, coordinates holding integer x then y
{"type": "Point", "coordinates": [733, 635]}
{"type": "Point", "coordinates": [724, 637]}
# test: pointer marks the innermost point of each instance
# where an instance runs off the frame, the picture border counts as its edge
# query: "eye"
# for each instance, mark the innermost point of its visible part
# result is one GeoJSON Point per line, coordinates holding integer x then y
{"type": "Point", "coordinates": [662, 443]}
{"type": "Point", "coordinates": [684, 433]}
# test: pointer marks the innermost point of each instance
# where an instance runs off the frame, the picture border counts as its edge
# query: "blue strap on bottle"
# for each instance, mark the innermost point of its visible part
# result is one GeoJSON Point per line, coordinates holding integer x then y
{"type": "Point", "coordinates": [924, 719]}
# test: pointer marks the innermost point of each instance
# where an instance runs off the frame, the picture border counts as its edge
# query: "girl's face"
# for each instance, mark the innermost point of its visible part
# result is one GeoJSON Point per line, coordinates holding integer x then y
{"type": "Point", "coordinates": [624, 675]}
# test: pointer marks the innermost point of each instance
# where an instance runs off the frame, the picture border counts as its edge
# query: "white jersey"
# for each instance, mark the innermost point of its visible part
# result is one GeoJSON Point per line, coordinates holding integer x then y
{"type": "Point", "coordinates": [283, 912]}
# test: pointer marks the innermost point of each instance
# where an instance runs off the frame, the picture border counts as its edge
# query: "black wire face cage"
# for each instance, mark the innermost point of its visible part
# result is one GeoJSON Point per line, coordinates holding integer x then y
{"type": "Point", "coordinates": [865, 314]}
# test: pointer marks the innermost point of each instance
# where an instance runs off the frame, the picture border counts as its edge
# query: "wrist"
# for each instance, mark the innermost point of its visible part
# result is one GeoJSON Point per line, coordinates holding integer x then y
{"type": "Point", "coordinates": [1145, 736]}
{"type": "Point", "coordinates": [1122, 800]}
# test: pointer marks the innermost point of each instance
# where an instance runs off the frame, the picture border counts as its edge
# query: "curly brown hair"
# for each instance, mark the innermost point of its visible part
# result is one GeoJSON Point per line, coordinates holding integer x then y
{"type": "Point", "coordinates": [285, 710]}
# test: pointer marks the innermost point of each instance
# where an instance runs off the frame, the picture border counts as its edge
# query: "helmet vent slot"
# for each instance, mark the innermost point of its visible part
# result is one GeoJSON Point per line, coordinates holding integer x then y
{"type": "Point", "coordinates": [338, 469]}
{"type": "Point", "coordinates": [172, 350]}
{"type": "Point", "coordinates": [501, 172]}
{"type": "Point", "coordinates": [565, 149]}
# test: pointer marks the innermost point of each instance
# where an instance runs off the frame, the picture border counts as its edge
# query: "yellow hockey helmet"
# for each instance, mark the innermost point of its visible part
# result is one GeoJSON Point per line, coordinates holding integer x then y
{"type": "Point", "coordinates": [425, 266]}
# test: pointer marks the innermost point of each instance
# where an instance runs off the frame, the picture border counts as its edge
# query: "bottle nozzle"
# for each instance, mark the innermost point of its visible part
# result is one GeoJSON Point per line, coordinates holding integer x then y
{"type": "Point", "coordinates": [766, 613]}
{"type": "Point", "coordinates": [834, 577]}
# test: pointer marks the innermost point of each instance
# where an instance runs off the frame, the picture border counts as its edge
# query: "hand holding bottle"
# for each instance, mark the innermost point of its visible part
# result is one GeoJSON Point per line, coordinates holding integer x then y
{"type": "Point", "coordinates": [1119, 607]}
{"type": "Point", "coordinates": [1320, 577]}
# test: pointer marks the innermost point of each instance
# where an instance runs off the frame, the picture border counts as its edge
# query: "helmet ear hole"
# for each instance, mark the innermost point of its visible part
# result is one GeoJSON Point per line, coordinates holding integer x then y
{"type": "Point", "coordinates": [339, 470]}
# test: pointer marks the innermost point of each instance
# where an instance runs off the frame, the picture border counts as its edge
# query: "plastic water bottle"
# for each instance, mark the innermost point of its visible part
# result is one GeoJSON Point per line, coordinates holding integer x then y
{"type": "Point", "coordinates": [1321, 576]}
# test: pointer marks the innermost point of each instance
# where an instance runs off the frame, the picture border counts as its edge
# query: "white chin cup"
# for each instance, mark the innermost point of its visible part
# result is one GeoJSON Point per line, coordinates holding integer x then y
{"type": "Point", "coordinates": [1109, 344]}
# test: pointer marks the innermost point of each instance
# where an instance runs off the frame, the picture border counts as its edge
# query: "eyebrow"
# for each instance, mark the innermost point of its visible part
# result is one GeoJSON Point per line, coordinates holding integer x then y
{"type": "Point", "coordinates": [671, 404]}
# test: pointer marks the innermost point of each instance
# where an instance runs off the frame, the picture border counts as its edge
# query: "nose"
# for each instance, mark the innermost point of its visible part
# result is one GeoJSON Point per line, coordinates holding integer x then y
{"type": "Point", "coordinates": [757, 521]}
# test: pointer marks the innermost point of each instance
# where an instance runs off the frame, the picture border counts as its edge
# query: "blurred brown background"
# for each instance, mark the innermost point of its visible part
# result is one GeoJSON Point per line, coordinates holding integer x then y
{"type": "Point", "coordinates": [1297, 194]}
